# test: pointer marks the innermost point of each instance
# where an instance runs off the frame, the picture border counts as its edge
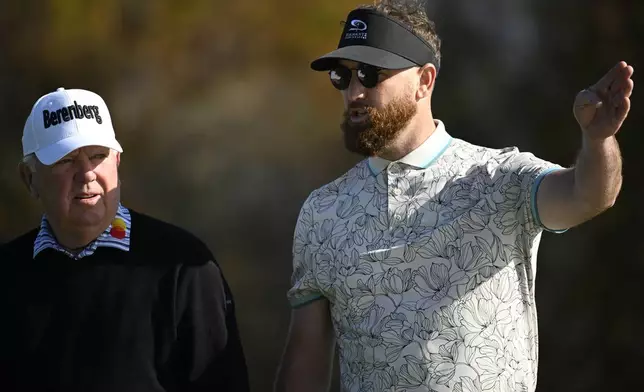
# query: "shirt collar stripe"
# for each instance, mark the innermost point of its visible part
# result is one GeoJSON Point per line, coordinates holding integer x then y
{"type": "Point", "coordinates": [423, 156]}
{"type": "Point", "coordinates": [45, 238]}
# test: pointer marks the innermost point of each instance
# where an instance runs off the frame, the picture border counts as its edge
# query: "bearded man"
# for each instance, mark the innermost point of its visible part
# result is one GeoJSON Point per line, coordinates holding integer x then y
{"type": "Point", "coordinates": [419, 263]}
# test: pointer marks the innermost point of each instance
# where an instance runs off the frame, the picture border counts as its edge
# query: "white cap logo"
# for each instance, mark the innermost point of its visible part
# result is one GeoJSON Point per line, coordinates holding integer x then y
{"type": "Point", "coordinates": [66, 120]}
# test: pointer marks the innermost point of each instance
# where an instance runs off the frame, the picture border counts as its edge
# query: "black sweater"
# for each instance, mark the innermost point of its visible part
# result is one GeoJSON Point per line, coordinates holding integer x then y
{"type": "Point", "coordinates": [157, 318]}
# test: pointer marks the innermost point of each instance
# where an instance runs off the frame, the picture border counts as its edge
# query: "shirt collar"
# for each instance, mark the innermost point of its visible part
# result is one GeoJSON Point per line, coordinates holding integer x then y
{"type": "Point", "coordinates": [421, 157]}
{"type": "Point", "coordinates": [117, 235]}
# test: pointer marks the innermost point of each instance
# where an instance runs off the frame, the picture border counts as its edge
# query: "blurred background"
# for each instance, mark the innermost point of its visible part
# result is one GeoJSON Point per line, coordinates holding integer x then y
{"type": "Point", "coordinates": [226, 130]}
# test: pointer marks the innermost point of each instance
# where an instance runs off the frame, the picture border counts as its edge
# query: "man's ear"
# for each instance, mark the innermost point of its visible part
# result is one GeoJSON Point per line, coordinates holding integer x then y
{"type": "Point", "coordinates": [427, 75]}
{"type": "Point", "coordinates": [27, 177]}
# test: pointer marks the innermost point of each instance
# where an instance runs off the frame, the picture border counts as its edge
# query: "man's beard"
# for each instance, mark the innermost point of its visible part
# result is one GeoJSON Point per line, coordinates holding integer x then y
{"type": "Point", "coordinates": [371, 137]}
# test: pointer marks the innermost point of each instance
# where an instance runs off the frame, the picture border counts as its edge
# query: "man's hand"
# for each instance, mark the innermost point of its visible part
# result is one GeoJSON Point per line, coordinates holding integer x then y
{"type": "Point", "coordinates": [601, 109]}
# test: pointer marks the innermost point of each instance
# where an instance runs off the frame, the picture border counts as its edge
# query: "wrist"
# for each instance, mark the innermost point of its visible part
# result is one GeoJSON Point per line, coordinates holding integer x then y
{"type": "Point", "coordinates": [597, 143]}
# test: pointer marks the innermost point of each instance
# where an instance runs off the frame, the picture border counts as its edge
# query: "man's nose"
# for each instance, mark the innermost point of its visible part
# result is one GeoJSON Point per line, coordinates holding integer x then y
{"type": "Point", "coordinates": [84, 170]}
{"type": "Point", "coordinates": [355, 91]}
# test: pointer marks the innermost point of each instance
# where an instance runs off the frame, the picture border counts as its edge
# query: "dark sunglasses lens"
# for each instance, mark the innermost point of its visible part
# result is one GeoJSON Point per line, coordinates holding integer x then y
{"type": "Point", "coordinates": [340, 77]}
{"type": "Point", "coordinates": [368, 75]}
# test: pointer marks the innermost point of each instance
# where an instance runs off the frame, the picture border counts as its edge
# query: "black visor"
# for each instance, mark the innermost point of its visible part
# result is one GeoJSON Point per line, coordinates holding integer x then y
{"type": "Point", "coordinates": [373, 38]}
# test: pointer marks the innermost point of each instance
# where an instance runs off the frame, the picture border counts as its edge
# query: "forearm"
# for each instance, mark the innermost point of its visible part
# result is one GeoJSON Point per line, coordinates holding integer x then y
{"type": "Point", "coordinates": [301, 371]}
{"type": "Point", "coordinates": [307, 362]}
{"type": "Point", "coordinates": [598, 174]}
{"type": "Point", "coordinates": [566, 198]}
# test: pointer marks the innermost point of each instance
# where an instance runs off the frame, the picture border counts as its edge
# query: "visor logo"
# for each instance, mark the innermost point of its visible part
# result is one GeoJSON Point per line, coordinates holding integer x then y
{"type": "Point", "coordinates": [358, 30]}
{"type": "Point", "coordinates": [358, 25]}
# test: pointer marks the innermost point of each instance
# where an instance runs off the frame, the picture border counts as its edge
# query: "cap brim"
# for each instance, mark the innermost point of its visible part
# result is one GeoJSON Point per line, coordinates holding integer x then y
{"type": "Point", "coordinates": [52, 154]}
{"type": "Point", "coordinates": [362, 54]}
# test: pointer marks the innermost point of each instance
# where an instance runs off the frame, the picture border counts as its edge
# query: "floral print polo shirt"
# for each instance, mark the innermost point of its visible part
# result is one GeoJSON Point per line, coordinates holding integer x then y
{"type": "Point", "coordinates": [428, 264]}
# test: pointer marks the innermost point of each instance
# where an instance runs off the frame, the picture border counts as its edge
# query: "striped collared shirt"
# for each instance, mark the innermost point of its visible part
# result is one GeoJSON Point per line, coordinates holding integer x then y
{"type": "Point", "coordinates": [117, 235]}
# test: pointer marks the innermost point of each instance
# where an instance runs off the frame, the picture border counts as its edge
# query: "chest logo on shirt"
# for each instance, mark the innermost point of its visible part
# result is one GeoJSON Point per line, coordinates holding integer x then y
{"type": "Point", "coordinates": [118, 228]}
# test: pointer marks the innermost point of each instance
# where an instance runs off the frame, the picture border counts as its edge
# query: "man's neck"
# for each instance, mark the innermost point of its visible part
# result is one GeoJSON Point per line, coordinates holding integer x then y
{"type": "Point", "coordinates": [415, 133]}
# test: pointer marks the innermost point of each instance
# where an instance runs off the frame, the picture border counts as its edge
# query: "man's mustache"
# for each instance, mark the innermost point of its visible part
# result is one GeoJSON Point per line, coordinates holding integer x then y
{"type": "Point", "coordinates": [357, 106]}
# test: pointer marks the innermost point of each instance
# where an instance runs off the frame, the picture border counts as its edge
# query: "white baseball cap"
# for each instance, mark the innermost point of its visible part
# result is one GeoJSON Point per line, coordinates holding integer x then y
{"type": "Point", "coordinates": [65, 120]}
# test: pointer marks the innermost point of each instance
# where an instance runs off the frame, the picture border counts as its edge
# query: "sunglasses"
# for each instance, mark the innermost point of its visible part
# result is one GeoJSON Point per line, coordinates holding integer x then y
{"type": "Point", "coordinates": [367, 75]}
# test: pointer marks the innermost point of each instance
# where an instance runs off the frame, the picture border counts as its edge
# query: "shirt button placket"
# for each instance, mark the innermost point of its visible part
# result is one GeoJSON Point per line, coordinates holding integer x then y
{"type": "Point", "coordinates": [393, 174]}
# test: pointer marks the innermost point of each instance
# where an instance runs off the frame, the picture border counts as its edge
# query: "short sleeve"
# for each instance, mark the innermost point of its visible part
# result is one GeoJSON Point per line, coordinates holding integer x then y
{"type": "Point", "coordinates": [518, 177]}
{"type": "Point", "coordinates": [304, 288]}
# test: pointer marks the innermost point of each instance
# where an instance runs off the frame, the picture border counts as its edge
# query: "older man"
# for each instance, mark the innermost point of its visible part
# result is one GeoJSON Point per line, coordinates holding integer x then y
{"type": "Point", "coordinates": [101, 297]}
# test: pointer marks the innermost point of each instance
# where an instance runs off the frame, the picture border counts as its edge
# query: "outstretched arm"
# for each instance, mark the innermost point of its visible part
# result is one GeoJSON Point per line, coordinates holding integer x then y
{"type": "Point", "coordinates": [567, 198]}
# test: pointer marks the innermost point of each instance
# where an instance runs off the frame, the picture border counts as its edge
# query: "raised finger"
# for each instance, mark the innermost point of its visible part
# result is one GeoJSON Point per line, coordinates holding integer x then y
{"type": "Point", "coordinates": [618, 73]}
{"type": "Point", "coordinates": [627, 87]}
{"type": "Point", "coordinates": [625, 90]}
{"type": "Point", "coordinates": [621, 110]}
{"type": "Point", "coordinates": [622, 78]}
